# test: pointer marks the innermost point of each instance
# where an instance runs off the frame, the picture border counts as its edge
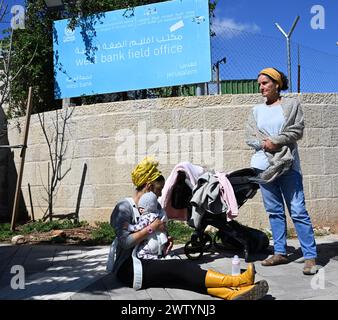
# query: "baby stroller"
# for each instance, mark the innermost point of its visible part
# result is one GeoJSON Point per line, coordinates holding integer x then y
{"type": "Point", "coordinates": [230, 235]}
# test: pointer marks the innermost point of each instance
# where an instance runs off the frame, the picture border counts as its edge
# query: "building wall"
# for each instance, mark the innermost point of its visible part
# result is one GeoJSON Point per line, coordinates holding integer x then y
{"type": "Point", "coordinates": [209, 130]}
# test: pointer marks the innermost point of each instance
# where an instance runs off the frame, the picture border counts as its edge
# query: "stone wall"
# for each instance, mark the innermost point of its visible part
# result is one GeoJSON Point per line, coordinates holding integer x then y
{"type": "Point", "coordinates": [111, 138]}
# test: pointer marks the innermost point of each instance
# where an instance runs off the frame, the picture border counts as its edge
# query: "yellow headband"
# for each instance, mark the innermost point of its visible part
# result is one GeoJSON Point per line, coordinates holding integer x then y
{"type": "Point", "coordinates": [274, 74]}
{"type": "Point", "coordinates": [146, 171]}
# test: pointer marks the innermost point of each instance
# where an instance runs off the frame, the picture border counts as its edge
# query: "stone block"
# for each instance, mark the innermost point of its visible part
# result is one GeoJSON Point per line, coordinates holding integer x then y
{"type": "Point", "coordinates": [313, 116]}
{"type": "Point", "coordinates": [258, 218]}
{"type": "Point", "coordinates": [35, 135]}
{"type": "Point", "coordinates": [226, 118]}
{"type": "Point", "coordinates": [247, 99]}
{"type": "Point", "coordinates": [320, 187]}
{"type": "Point", "coordinates": [234, 140]}
{"type": "Point", "coordinates": [186, 119]}
{"type": "Point", "coordinates": [318, 209]}
{"type": "Point", "coordinates": [100, 171]}
{"type": "Point", "coordinates": [330, 116]}
{"type": "Point", "coordinates": [312, 160]}
{"type": "Point", "coordinates": [136, 123]}
{"type": "Point", "coordinates": [306, 186]}
{"type": "Point", "coordinates": [232, 161]}
{"type": "Point", "coordinates": [87, 199]}
{"type": "Point", "coordinates": [330, 160]}
{"type": "Point", "coordinates": [318, 137]}
{"type": "Point", "coordinates": [89, 128]}
{"type": "Point", "coordinates": [29, 174]}
{"type": "Point", "coordinates": [334, 137]}
{"type": "Point", "coordinates": [335, 186]}
{"type": "Point", "coordinates": [66, 197]}
{"type": "Point", "coordinates": [84, 149]}
{"type": "Point", "coordinates": [318, 98]}
{"type": "Point", "coordinates": [104, 147]}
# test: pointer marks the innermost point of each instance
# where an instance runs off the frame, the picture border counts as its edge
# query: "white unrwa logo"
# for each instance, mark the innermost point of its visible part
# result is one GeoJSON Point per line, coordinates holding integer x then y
{"type": "Point", "coordinates": [18, 281]}
{"type": "Point", "coordinates": [318, 280]}
{"type": "Point", "coordinates": [18, 19]}
{"type": "Point", "coordinates": [318, 20]}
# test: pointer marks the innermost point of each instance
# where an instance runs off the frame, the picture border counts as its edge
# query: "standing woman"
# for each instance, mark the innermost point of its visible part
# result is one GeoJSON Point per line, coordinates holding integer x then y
{"type": "Point", "coordinates": [175, 273]}
{"type": "Point", "coordinates": [272, 130]}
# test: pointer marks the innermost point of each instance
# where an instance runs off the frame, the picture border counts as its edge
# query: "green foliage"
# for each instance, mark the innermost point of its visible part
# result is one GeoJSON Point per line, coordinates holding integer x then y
{"type": "Point", "coordinates": [5, 232]}
{"type": "Point", "coordinates": [180, 231]}
{"type": "Point", "coordinates": [104, 233]}
{"type": "Point", "coordinates": [41, 226]}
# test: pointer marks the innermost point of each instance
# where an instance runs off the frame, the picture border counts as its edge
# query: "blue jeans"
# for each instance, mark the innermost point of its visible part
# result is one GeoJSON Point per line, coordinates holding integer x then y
{"type": "Point", "coordinates": [290, 187]}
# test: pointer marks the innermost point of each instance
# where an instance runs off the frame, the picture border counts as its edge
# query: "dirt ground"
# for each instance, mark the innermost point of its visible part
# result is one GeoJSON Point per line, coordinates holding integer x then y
{"type": "Point", "coordinates": [78, 236]}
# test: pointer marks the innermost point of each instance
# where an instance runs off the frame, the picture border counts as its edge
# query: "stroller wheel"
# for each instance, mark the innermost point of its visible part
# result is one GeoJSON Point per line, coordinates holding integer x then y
{"type": "Point", "coordinates": [193, 250]}
{"type": "Point", "coordinates": [207, 241]}
{"type": "Point", "coordinates": [220, 242]}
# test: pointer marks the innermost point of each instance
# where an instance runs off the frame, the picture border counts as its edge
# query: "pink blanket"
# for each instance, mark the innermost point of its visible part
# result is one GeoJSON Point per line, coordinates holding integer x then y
{"type": "Point", "coordinates": [228, 195]}
{"type": "Point", "coordinates": [192, 172]}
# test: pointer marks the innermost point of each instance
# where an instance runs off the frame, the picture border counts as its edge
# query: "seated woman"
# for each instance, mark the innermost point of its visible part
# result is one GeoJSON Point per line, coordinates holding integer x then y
{"type": "Point", "coordinates": [175, 273]}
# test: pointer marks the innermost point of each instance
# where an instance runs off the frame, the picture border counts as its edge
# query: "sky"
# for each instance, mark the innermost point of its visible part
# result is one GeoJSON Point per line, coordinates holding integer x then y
{"type": "Point", "coordinates": [260, 16]}
{"type": "Point", "coordinates": [5, 23]}
{"type": "Point", "coordinates": [247, 36]}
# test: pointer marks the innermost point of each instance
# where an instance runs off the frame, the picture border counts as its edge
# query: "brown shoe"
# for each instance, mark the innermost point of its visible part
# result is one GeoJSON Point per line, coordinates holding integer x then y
{"type": "Point", "coordinates": [275, 260]}
{"type": "Point", "coordinates": [310, 267]}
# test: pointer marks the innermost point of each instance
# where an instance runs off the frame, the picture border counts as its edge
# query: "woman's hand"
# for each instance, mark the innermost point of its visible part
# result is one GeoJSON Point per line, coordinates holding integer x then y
{"type": "Point", "coordinates": [158, 225]}
{"type": "Point", "coordinates": [269, 146]}
{"type": "Point", "coordinates": [169, 245]}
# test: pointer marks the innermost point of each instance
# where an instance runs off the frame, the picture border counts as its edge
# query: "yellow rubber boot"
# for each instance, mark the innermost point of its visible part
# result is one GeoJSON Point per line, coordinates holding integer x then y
{"type": "Point", "coordinates": [254, 292]}
{"type": "Point", "coordinates": [215, 279]}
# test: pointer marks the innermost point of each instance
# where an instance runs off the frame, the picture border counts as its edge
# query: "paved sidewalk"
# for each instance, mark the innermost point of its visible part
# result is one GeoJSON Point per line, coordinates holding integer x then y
{"type": "Point", "coordinates": [78, 273]}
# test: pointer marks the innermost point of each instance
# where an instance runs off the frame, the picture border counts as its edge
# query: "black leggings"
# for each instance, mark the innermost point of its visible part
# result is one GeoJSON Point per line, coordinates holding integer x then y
{"type": "Point", "coordinates": [179, 274]}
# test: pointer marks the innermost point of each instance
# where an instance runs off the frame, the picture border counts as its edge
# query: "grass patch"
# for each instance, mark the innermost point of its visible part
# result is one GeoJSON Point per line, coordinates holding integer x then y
{"type": "Point", "coordinates": [103, 233]}
{"type": "Point", "coordinates": [37, 227]}
{"type": "Point", "coordinates": [5, 232]}
{"type": "Point", "coordinates": [180, 231]}
{"type": "Point", "coordinates": [41, 226]}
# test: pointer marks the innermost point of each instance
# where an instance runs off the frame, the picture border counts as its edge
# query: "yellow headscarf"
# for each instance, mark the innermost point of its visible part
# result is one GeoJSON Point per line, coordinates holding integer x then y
{"type": "Point", "coordinates": [274, 74]}
{"type": "Point", "coordinates": [146, 171]}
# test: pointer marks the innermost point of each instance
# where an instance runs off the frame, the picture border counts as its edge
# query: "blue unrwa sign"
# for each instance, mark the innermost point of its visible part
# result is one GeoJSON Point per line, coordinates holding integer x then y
{"type": "Point", "coordinates": [157, 45]}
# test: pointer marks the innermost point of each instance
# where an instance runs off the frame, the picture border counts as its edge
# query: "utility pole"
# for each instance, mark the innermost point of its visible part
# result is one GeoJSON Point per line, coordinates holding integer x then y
{"type": "Point", "coordinates": [298, 72]}
{"type": "Point", "coordinates": [288, 47]}
{"type": "Point", "coordinates": [216, 69]}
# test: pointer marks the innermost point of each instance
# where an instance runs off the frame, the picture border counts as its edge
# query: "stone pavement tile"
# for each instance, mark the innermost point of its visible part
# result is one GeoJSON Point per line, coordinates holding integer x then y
{"type": "Point", "coordinates": [276, 270]}
{"type": "Point", "coordinates": [69, 286]}
{"type": "Point", "coordinates": [111, 283]}
{"type": "Point", "coordinates": [20, 255]}
{"type": "Point", "coordinates": [5, 279]}
{"type": "Point", "coordinates": [130, 294]}
{"type": "Point", "coordinates": [74, 254]}
{"type": "Point", "coordinates": [180, 294]}
{"type": "Point", "coordinates": [44, 284]}
{"type": "Point", "coordinates": [159, 294]}
{"type": "Point", "coordinates": [90, 295]}
{"type": "Point", "coordinates": [122, 291]}
{"type": "Point", "coordinates": [95, 291]}
{"type": "Point", "coordinates": [59, 258]}
{"type": "Point", "coordinates": [7, 252]}
{"type": "Point", "coordinates": [329, 297]}
{"type": "Point", "coordinates": [302, 294]}
{"type": "Point", "coordinates": [23, 250]}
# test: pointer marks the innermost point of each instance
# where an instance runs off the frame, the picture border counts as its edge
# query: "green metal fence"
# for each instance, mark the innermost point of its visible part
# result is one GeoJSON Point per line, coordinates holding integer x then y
{"type": "Point", "coordinates": [239, 86]}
